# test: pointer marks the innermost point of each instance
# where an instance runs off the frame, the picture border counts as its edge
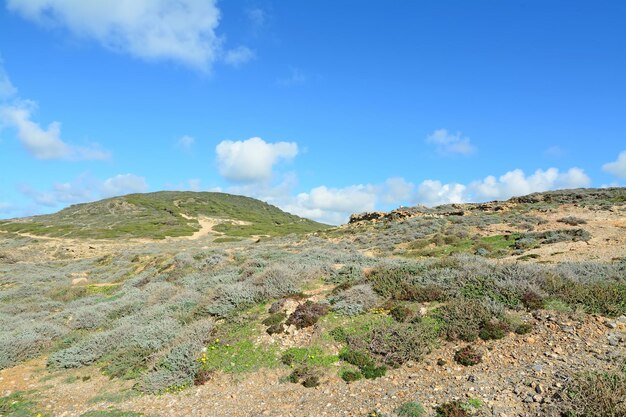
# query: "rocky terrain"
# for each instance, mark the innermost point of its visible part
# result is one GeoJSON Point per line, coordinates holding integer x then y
{"type": "Point", "coordinates": [371, 318]}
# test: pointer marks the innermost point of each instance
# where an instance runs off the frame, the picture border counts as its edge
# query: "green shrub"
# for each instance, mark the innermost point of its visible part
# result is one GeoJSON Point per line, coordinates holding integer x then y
{"type": "Point", "coordinates": [467, 356]}
{"type": "Point", "coordinates": [373, 372]}
{"type": "Point", "coordinates": [524, 328]}
{"type": "Point", "coordinates": [401, 313]}
{"type": "Point", "coordinates": [305, 376]}
{"type": "Point", "coordinates": [411, 409]}
{"type": "Point", "coordinates": [463, 318]}
{"type": "Point", "coordinates": [494, 330]}
{"type": "Point", "coordinates": [351, 376]}
{"type": "Point", "coordinates": [357, 358]}
{"type": "Point", "coordinates": [596, 395]}
{"type": "Point", "coordinates": [274, 319]}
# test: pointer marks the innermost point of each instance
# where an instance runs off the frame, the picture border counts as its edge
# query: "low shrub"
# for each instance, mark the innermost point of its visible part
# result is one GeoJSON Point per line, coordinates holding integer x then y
{"type": "Point", "coordinates": [274, 319]}
{"type": "Point", "coordinates": [305, 376]}
{"type": "Point", "coordinates": [351, 376]}
{"type": "Point", "coordinates": [357, 358]}
{"type": "Point", "coordinates": [177, 369]}
{"type": "Point", "coordinates": [596, 395]}
{"type": "Point", "coordinates": [532, 300]}
{"type": "Point", "coordinates": [451, 409]}
{"type": "Point", "coordinates": [493, 330]}
{"type": "Point", "coordinates": [398, 343]}
{"type": "Point", "coordinates": [467, 356]}
{"type": "Point", "coordinates": [354, 300]}
{"type": "Point", "coordinates": [202, 376]}
{"type": "Point", "coordinates": [373, 372]}
{"type": "Point", "coordinates": [307, 314]}
{"type": "Point", "coordinates": [524, 328]}
{"type": "Point", "coordinates": [572, 220]}
{"type": "Point", "coordinates": [411, 409]}
{"type": "Point", "coordinates": [401, 313]}
{"type": "Point", "coordinates": [463, 318]}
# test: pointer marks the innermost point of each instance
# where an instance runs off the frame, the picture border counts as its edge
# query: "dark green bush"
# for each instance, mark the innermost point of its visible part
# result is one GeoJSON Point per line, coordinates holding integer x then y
{"type": "Point", "coordinates": [524, 328]}
{"type": "Point", "coordinates": [373, 372]}
{"type": "Point", "coordinates": [357, 358]}
{"type": "Point", "coordinates": [274, 319]}
{"type": "Point", "coordinates": [401, 313]}
{"type": "Point", "coordinates": [351, 376]}
{"type": "Point", "coordinates": [494, 330]}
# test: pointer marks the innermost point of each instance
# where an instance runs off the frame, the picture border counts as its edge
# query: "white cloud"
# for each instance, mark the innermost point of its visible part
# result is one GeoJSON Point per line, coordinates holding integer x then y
{"type": "Point", "coordinates": [433, 193]}
{"type": "Point", "coordinates": [252, 160]}
{"type": "Point", "coordinates": [447, 143]}
{"type": "Point", "coordinates": [618, 167]}
{"type": "Point", "coordinates": [512, 183]}
{"type": "Point", "coordinates": [183, 31]}
{"type": "Point", "coordinates": [44, 143]}
{"type": "Point", "coordinates": [238, 56]}
{"type": "Point", "coordinates": [397, 189]}
{"type": "Point", "coordinates": [124, 184]}
{"type": "Point", "coordinates": [185, 142]}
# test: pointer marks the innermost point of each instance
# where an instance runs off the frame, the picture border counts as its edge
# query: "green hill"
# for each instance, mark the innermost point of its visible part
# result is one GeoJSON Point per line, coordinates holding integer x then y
{"type": "Point", "coordinates": [161, 214]}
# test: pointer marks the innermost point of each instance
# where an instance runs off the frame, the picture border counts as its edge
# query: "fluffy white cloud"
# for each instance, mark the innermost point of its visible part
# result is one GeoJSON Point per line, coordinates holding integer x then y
{"type": "Point", "coordinates": [238, 56]}
{"type": "Point", "coordinates": [397, 189]}
{"type": "Point", "coordinates": [618, 167]}
{"type": "Point", "coordinates": [448, 143]}
{"type": "Point", "coordinates": [433, 193]}
{"type": "Point", "coordinates": [178, 30]}
{"type": "Point", "coordinates": [512, 183]}
{"type": "Point", "coordinates": [44, 143]}
{"type": "Point", "coordinates": [252, 160]}
{"type": "Point", "coordinates": [124, 184]}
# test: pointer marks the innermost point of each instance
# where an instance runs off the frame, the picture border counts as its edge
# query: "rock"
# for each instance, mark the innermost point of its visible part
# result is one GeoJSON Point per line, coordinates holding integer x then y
{"type": "Point", "coordinates": [528, 399]}
{"type": "Point", "coordinates": [539, 389]}
{"type": "Point", "coordinates": [610, 324]}
{"type": "Point", "coordinates": [537, 398]}
{"type": "Point", "coordinates": [538, 367]}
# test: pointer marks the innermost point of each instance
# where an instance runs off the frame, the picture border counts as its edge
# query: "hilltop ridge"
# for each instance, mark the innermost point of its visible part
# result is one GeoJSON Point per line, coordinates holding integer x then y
{"type": "Point", "coordinates": [164, 214]}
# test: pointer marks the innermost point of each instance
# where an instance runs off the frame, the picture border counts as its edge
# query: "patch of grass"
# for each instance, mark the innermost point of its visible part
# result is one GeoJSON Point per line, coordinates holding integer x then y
{"type": "Point", "coordinates": [239, 357]}
{"type": "Point", "coordinates": [309, 356]}
{"type": "Point", "coordinates": [18, 404]}
{"type": "Point", "coordinates": [226, 239]}
{"type": "Point", "coordinates": [114, 397]}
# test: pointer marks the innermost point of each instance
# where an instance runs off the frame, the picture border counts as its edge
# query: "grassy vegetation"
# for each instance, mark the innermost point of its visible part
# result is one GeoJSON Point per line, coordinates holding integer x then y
{"type": "Point", "coordinates": [162, 214]}
{"type": "Point", "coordinates": [18, 404]}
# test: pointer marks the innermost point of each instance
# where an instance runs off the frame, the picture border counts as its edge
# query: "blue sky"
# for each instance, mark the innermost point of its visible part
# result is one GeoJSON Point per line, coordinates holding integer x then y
{"type": "Point", "coordinates": [323, 108]}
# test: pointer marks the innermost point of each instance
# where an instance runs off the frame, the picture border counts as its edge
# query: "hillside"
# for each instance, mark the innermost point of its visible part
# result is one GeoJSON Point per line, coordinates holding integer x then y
{"type": "Point", "coordinates": [161, 214]}
{"type": "Point", "coordinates": [504, 309]}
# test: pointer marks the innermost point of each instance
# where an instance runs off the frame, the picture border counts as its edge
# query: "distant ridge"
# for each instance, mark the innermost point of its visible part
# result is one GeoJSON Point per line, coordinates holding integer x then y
{"type": "Point", "coordinates": [162, 214]}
